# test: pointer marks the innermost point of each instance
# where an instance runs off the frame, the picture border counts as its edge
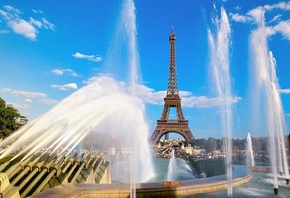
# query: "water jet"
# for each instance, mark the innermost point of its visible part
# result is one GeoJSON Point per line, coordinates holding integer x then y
{"type": "Point", "coordinates": [219, 43]}
{"type": "Point", "coordinates": [249, 149]}
{"type": "Point", "coordinates": [266, 82]}
{"type": "Point", "coordinates": [171, 166]}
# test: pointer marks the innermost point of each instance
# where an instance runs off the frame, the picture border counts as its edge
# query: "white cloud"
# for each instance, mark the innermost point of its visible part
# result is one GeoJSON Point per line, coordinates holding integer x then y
{"type": "Point", "coordinates": [94, 78]}
{"type": "Point", "coordinates": [4, 31]}
{"type": "Point", "coordinates": [257, 14]}
{"type": "Point", "coordinates": [281, 5]}
{"type": "Point", "coordinates": [94, 58]}
{"type": "Point", "coordinates": [57, 71]}
{"type": "Point", "coordinates": [47, 25]}
{"type": "Point", "coordinates": [238, 8]}
{"type": "Point", "coordinates": [35, 22]}
{"type": "Point", "coordinates": [276, 18]}
{"type": "Point", "coordinates": [48, 101]}
{"type": "Point", "coordinates": [37, 11]}
{"type": "Point", "coordinates": [24, 94]}
{"type": "Point", "coordinates": [205, 102]}
{"type": "Point", "coordinates": [284, 91]}
{"type": "Point", "coordinates": [70, 72]}
{"type": "Point", "coordinates": [28, 96]}
{"type": "Point", "coordinates": [240, 18]}
{"type": "Point", "coordinates": [24, 28]}
{"type": "Point", "coordinates": [20, 106]}
{"type": "Point", "coordinates": [150, 96]}
{"type": "Point", "coordinates": [7, 90]}
{"type": "Point", "coordinates": [4, 15]}
{"type": "Point", "coordinates": [12, 9]}
{"type": "Point", "coordinates": [27, 28]}
{"type": "Point", "coordinates": [90, 80]}
{"type": "Point", "coordinates": [284, 28]}
{"type": "Point", "coordinates": [65, 87]}
{"type": "Point", "coordinates": [62, 71]}
{"type": "Point", "coordinates": [10, 13]}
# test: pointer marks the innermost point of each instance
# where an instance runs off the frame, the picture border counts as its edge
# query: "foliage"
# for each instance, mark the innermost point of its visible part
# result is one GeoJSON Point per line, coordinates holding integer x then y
{"type": "Point", "coordinates": [259, 144]}
{"type": "Point", "coordinates": [10, 119]}
{"type": "Point", "coordinates": [199, 143]}
{"type": "Point", "coordinates": [211, 145]}
{"type": "Point", "coordinates": [219, 144]}
{"type": "Point", "coordinates": [238, 144]}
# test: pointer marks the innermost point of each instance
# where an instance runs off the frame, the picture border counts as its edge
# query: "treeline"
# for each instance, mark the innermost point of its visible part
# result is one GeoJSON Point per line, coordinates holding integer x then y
{"type": "Point", "coordinates": [10, 119]}
{"type": "Point", "coordinates": [259, 144]}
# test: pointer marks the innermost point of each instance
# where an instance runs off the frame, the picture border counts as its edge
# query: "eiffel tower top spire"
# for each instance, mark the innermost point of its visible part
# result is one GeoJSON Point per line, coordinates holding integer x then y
{"type": "Point", "coordinates": [172, 90]}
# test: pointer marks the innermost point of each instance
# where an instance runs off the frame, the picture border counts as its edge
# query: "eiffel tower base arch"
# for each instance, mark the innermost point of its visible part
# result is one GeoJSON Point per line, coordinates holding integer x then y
{"type": "Point", "coordinates": [163, 128]}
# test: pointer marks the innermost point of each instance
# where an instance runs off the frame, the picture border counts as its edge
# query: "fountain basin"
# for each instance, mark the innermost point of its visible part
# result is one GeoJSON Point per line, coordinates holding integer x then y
{"type": "Point", "coordinates": [154, 189]}
{"type": "Point", "coordinates": [259, 169]}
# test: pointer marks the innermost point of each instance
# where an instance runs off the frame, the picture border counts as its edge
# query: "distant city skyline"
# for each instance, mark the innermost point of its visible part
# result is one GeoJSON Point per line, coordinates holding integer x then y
{"type": "Point", "coordinates": [50, 50]}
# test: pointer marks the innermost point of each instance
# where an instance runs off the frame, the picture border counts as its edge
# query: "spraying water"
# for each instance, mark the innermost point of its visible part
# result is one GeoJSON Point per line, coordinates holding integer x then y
{"type": "Point", "coordinates": [171, 166]}
{"type": "Point", "coordinates": [267, 89]}
{"type": "Point", "coordinates": [219, 43]}
{"type": "Point", "coordinates": [106, 105]}
{"type": "Point", "coordinates": [90, 110]}
{"type": "Point", "coordinates": [250, 155]}
{"type": "Point", "coordinates": [120, 58]}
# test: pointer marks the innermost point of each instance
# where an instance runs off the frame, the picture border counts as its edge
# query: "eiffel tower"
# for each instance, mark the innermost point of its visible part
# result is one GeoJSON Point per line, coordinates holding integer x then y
{"type": "Point", "coordinates": [172, 100]}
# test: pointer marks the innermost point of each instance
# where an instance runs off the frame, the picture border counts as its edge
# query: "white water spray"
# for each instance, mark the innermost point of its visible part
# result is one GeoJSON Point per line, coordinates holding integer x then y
{"type": "Point", "coordinates": [105, 106]}
{"type": "Point", "coordinates": [219, 43]}
{"type": "Point", "coordinates": [266, 91]}
{"type": "Point", "coordinates": [122, 58]}
{"type": "Point", "coordinates": [249, 149]}
{"type": "Point", "coordinates": [101, 107]}
{"type": "Point", "coordinates": [171, 166]}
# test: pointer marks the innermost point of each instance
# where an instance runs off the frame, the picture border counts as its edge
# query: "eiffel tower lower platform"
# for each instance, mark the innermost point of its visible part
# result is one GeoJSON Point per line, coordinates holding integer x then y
{"type": "Point", "coordinates": [169, 126]}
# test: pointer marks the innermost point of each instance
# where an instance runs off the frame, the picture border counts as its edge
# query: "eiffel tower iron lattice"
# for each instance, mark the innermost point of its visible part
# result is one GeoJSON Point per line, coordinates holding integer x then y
{"type": "Point", "coordinates": [172, 100]}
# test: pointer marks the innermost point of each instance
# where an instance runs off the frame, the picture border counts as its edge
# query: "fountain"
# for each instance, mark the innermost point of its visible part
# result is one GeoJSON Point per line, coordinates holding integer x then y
{"type": "Point", "coordinates": [249, 149]}
{"type": "Point", "coordinates": [109, 106]}
{"type": "Point", "coordinates": [171, 166]}
{"type": "Point", "coordinates": [110, 103]}
{"type": "Point", "coordinates": [120, 57]}
{"type": "Point", "coordinates": [266, 86]}
{"type": "Point", "coordinates": [99, 107]}
{"type": "Point", "coordinates": [219, 43]}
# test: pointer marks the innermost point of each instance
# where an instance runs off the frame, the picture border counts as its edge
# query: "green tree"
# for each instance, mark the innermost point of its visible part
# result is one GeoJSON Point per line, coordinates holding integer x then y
{"type": "Point", "coordinates": [239, 144]}
{"type": "Point", "coordinates": [211, 145]}
{"type": "Point", "coordinates": [219, 144]}
{"type": "Point", "coordinates": [259, 144]}
{"type": "Point", "coordinates": [199, 143]}
{"type": "Point", "coordinates": [10, 119]}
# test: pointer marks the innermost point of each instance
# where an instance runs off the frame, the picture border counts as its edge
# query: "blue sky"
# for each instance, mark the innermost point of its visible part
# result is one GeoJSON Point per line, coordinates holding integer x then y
{"type": "Point", "coordinates": [48, 50]}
